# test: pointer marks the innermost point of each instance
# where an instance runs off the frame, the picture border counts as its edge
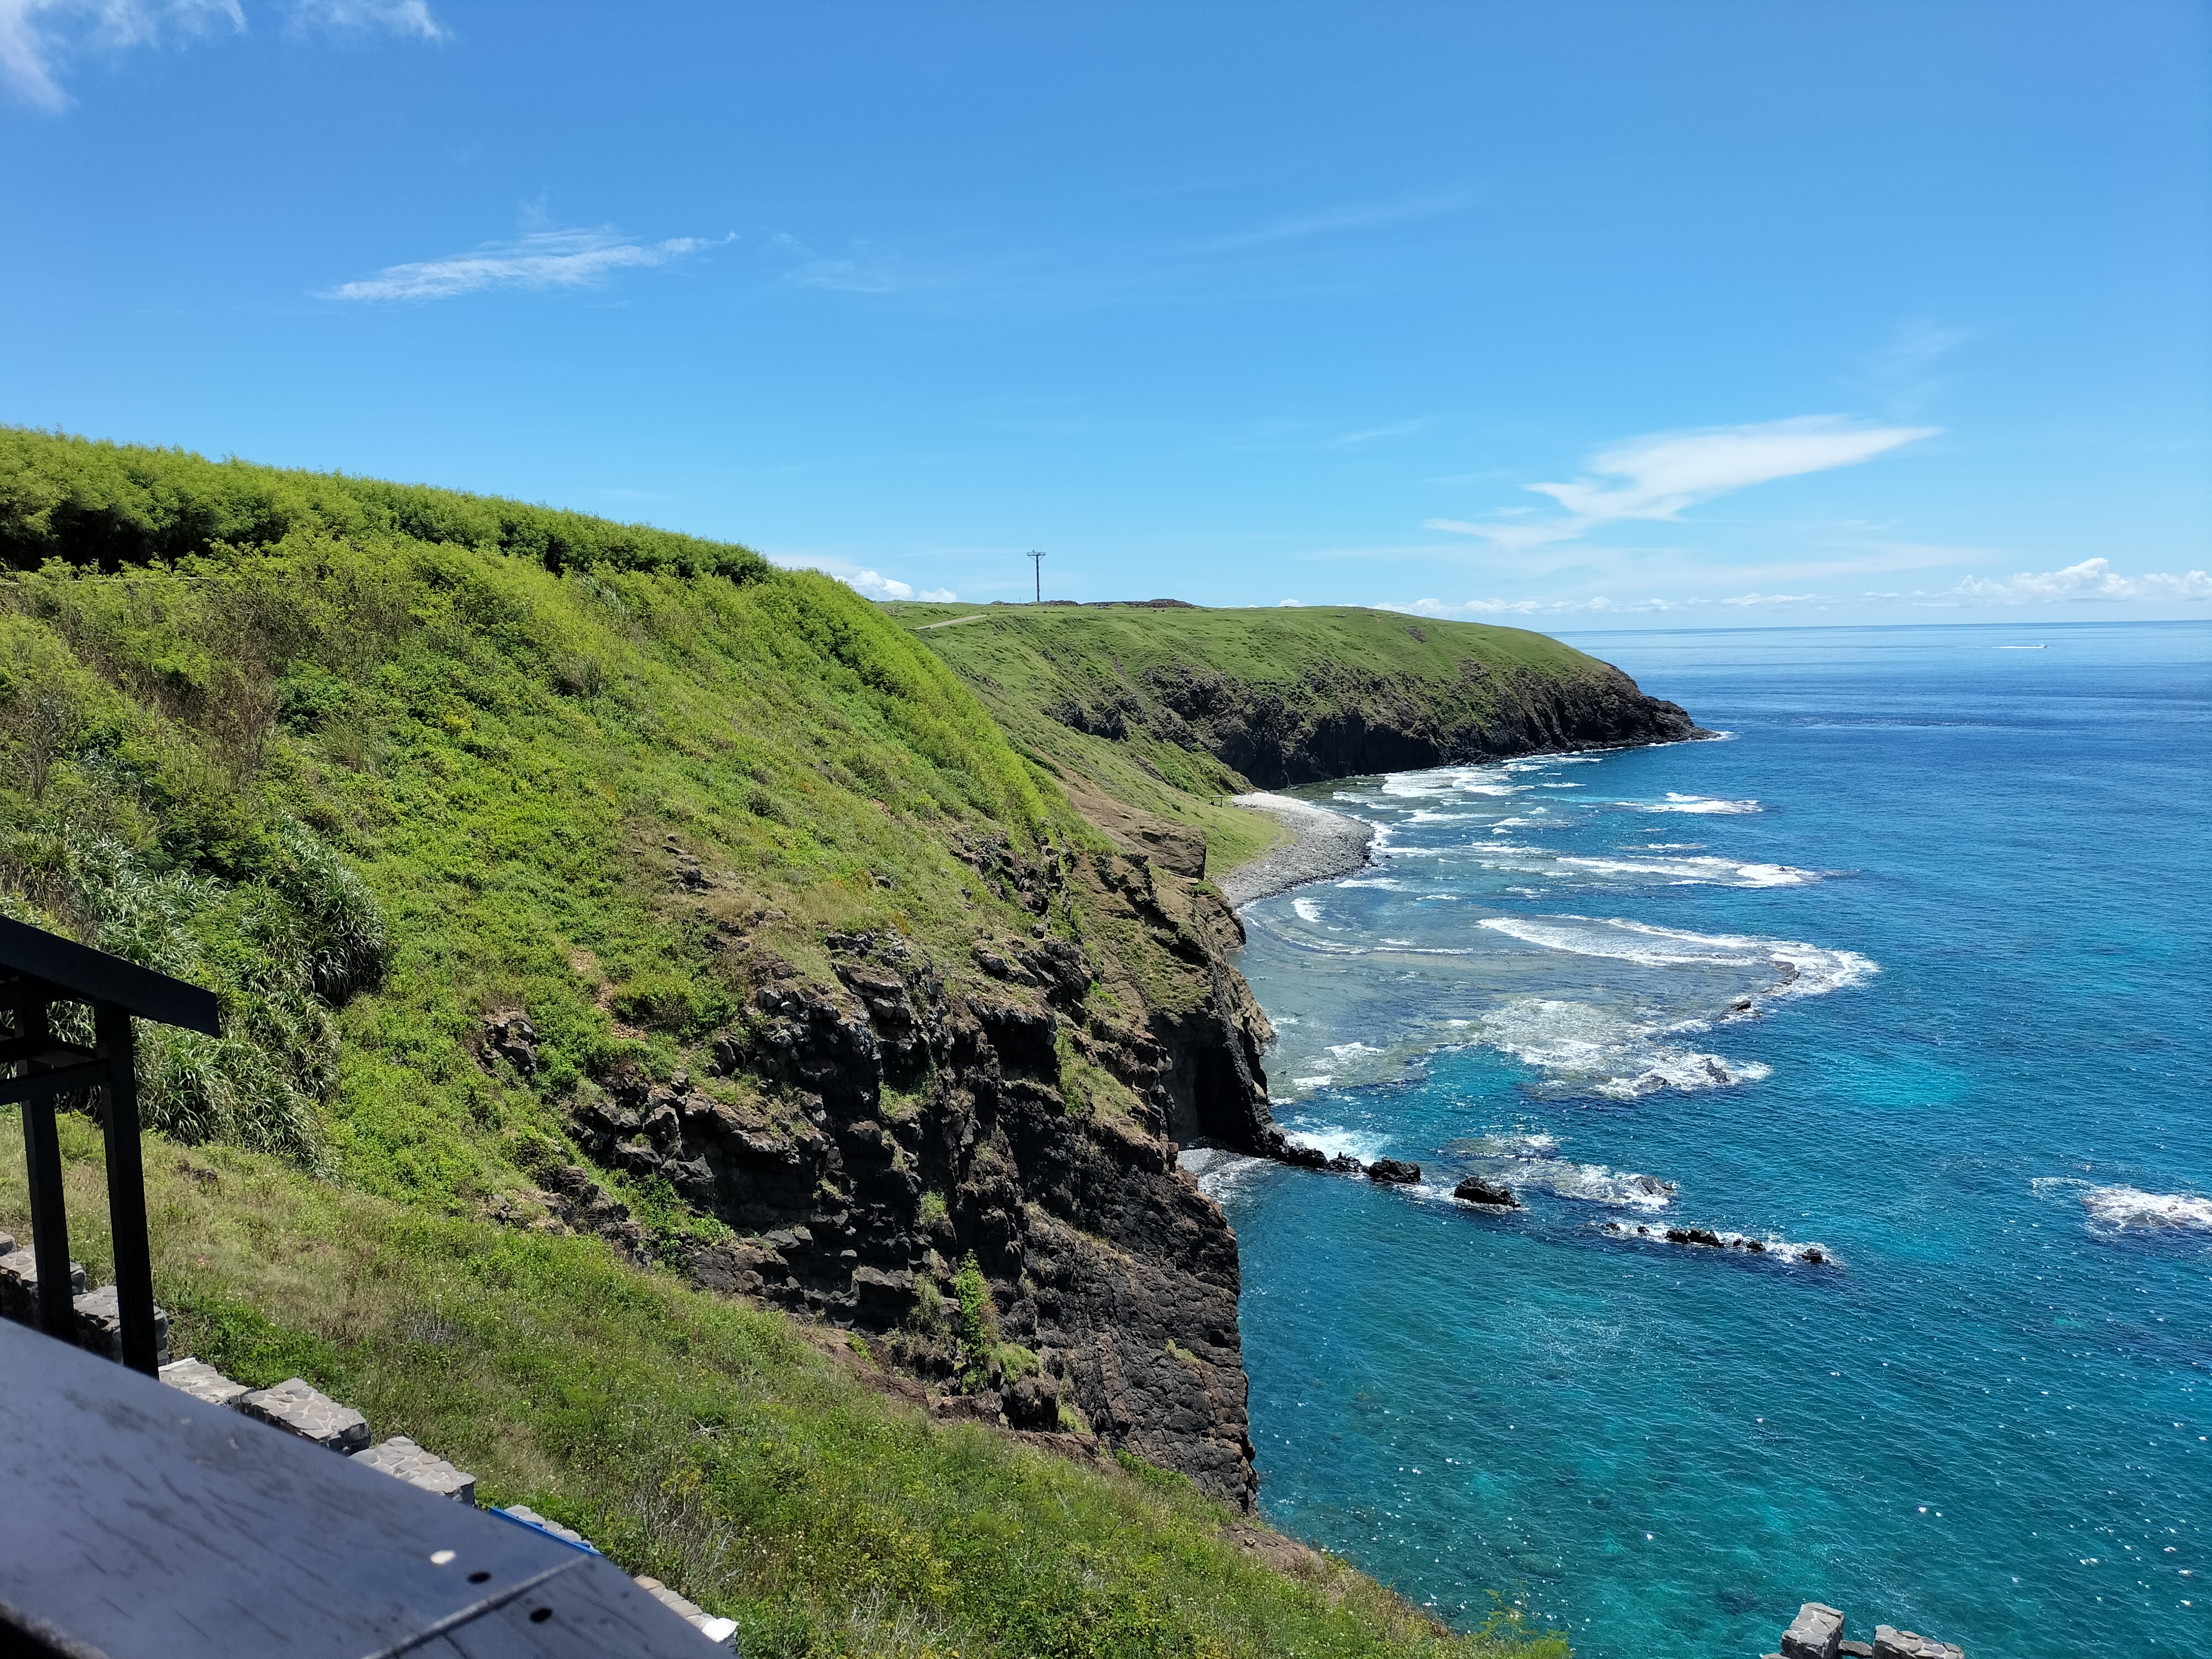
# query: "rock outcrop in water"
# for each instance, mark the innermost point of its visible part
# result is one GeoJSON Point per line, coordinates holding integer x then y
{"type": "Point", "coordinates": [1817, 1633]}
{"type": "Point", "coordinates": [1493, 1195]}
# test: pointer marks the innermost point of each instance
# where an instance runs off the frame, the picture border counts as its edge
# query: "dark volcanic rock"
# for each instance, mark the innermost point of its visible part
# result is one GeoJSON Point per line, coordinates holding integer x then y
{"type": "Point", "coordinates": [1394, 1171]}
{"type": "Point", "coordinates": [1475, 1190]}
{"type": "Point", "coordinates": [894, 1085]}
{"type": "Point", "coordinates": [510, 1035]}
{"type": "Point", "coordinates": [1278, 735]}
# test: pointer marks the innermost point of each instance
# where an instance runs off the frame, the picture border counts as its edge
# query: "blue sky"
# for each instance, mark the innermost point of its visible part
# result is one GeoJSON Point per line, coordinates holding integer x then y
{"type": "Point", "coordinates": [1563, 314]}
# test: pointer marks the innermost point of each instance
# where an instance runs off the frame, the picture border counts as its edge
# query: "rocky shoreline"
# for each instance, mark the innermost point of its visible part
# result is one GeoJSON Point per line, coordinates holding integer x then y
{"type": "Point", "coordinates": [1328, 844]}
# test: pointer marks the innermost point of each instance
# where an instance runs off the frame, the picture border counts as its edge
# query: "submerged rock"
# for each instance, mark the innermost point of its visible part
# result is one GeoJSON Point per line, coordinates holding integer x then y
{"type": "Point", "coordinates": [1495, 1194]}
{"type": "Point", "coordinates": [1395, 1172]}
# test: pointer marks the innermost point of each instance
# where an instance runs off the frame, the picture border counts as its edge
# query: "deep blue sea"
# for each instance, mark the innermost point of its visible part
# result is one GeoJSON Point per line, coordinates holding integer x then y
{"type": "Point", "coordinates": [1912, 968]}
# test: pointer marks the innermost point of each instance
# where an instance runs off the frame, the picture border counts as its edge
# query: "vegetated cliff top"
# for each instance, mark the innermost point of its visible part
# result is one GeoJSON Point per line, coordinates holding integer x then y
{"type": "Point", "coordinates": [377, 763]}
{"type": "Point", "coordinates": [1165, 708]}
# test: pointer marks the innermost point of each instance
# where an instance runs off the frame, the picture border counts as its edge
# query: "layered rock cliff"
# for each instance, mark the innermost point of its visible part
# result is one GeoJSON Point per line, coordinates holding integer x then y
{"type": "Point", "coordinates": [1211, 702]}
{"type": "Point", "coordinates": [1020, 1111]}
{"type": "Point", "coordinates": [1351, 721]}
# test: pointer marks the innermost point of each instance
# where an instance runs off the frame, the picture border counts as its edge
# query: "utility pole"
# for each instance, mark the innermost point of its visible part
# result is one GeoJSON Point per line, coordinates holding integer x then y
{"type": "Point", "coordinates": [1036, 564]}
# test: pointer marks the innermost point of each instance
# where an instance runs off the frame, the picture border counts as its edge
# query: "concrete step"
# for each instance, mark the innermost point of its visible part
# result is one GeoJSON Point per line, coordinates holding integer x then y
{"type": "Point", "coordinates": [402, 1459]}
{"type": "Point", "coordinates": [100, 1326]}
{"type": "Point", "coordinates": [718, 1631]}
{"type": "Point", "coordinates": [203, 1382]}
{"type": "Point", "coordinates": [299, 1409]}
{"type": "Point", "coordinates": [19, 1284]}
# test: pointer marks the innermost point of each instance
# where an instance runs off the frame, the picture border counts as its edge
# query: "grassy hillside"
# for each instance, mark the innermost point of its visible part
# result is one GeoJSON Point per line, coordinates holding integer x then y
{"type": "Point", "coordinates": [376, 763]}
{"type": "Point", "coordinates": [1168, 709]}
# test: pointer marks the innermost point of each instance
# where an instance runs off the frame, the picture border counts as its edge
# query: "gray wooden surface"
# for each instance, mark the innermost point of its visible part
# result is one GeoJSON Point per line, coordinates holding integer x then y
{"type": "Point", "coordinates": [138, 1521]}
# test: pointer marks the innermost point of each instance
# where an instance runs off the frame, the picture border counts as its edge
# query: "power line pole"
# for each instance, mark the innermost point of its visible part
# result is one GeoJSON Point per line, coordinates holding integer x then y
{"type": "Point", "coordinates": [1036, 564]}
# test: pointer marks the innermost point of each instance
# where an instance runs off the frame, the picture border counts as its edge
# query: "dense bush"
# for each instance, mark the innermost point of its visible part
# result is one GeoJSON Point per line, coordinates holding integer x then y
{"type": "Point", "coordinates": [116, 505]}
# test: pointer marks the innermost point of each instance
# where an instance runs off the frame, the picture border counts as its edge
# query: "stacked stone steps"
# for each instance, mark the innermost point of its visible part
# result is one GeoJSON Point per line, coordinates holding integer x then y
{"type": "Point", "coordinates": [298, 1408]}
{"type": "Point", "coordinates": [99, 1321]}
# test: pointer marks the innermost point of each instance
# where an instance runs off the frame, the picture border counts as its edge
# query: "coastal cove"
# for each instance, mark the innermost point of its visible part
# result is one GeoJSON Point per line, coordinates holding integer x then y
{"type": "Point", "coordinates": [1909, 969]}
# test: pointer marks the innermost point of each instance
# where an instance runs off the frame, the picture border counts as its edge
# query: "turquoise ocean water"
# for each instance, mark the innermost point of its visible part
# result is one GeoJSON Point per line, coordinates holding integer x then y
{"type": "Point", "coordinates": [1911, 968]}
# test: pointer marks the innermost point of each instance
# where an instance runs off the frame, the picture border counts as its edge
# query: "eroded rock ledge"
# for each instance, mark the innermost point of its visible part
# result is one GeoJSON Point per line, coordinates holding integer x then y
{"type": "Point", "coordinates": [869, 1132]}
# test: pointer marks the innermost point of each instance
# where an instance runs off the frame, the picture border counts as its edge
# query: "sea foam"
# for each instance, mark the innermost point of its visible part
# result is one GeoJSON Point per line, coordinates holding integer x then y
{"type": "Point", "coordinates": [1702, 804]}
{"type": "Point", "coordinates": [1585, 1047]}
{"type": "Point", "coordinates": [1801, 969]}
{"type": "Point", "coordinates": [2125, 1209]}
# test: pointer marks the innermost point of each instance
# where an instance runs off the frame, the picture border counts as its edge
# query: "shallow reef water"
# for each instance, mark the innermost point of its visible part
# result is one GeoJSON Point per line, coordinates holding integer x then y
{"type": "Point", "coordinates": [1907, 975]}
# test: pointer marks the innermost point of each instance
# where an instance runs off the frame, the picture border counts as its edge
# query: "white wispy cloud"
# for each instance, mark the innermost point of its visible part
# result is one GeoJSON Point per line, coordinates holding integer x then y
{"type": "Point", "coordinates": [1330, 222]}
{"type": "Point", "coordinates": [543, 259]}
{"type": "Point", "coordinates": [869, 584]}
{"type": "Point", "coordinates": [1375, 434]}
{"type": "Point", "coordinates": [1660, 475]}
{"type": "Point", "coordinates": [2092, 579]}
{"type": "Point", "coordinates": [1904, 375]}
{"type": "Point", "coordinates": [38, 36]}
{"type": "Point", "coordinates": [402, 17]}
{"type": "Point", "coordinates": [1598, 605]}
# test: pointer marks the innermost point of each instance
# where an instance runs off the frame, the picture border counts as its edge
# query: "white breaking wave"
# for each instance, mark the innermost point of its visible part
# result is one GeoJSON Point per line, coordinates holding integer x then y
{"type": "Point", "coordinates": [1533, 1161]}
{"type": "Point", "coordinates": [1593, 1183]}
{"type": "Point", "coordinates": [2126, 1209]}
{"type": "Point", "coordinates": [1782, 1249]}
{"type": "Point", "coordinates": [1389, 882]}
{"type": "Point", "coordinates": [1352, 1050]}
{"type": "Point", "coordinates": [1332, 1141]}
{"type": "Point", "coordinates": [1218, 1171]}
{"type": "Point", "coordinates": [1528, 1146]}
{"type": "Point", "coordinates": [1804, 970]}
{"type": "Point", "coordinates": [1704, 804]}
{"type": "Point", "coordinates": [1307, 910]}
{"type": "Point", "coordinates": [1685, 871]}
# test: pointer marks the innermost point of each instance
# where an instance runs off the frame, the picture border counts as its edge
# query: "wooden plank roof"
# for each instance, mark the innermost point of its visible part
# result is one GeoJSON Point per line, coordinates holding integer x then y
{"type": "Point", "coordinates": [82, 975]}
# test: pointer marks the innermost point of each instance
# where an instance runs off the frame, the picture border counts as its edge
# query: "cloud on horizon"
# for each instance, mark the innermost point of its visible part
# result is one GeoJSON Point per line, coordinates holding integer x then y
{"type": "Point", "coordinates": [37, 37]}
{"type": "Point", "coordinates": [2093, 581]}
{"type": "Point", "coordinates": [542, 259]}
{"type": "Point", "coordinates": [869, 584]}
{"type": "Point", "coordinates": [1658, 478]}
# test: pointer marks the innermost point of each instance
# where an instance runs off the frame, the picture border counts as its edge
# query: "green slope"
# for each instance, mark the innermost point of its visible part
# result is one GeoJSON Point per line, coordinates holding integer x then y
{"type": "Point", "coordinates": [1169, 709]}
{"type": "Point", "coordinates": [374, 761]}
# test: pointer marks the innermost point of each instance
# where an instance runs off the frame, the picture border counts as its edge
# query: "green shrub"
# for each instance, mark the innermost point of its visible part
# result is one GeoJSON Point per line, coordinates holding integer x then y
{"type": "Point", "coordinates": [976, 1326]}
{"type": "Point", "coordinates": [343, 939]}
{"type": "Point", "coordinates": [664, 1002]}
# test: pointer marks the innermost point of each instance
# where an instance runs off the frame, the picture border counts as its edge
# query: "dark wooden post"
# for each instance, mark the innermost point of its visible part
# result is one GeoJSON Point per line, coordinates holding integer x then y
{"type": "Point", "coordinates": [42, 1169]}
{"type": "Point", "coordinates": [37, 968]}
{"type": "Point", "coordinates": [126, 1191]}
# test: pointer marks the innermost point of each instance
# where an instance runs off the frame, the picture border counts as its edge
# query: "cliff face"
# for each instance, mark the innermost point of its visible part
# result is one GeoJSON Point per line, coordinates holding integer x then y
{"type": "Point", "coordinates": [1022, 1107]}
{"type": "Point", "coordinates": [1352, 721]}
{"type": "Point", "coordinates": [1152, 707]}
